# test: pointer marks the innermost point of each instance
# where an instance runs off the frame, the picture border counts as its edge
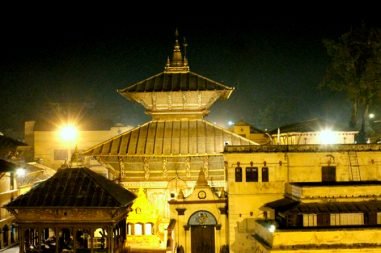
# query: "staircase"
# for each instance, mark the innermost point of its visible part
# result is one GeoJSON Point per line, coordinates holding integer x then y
{"type": "Point", "coordinates": [354, 167]}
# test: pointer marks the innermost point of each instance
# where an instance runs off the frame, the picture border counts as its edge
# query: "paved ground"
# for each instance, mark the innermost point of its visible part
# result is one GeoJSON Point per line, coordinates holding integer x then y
{"type": "Point", "coordinates": [14, 249]}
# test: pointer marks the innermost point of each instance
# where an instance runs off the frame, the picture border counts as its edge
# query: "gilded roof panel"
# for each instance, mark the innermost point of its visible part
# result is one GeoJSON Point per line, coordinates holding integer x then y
{"type": "Point", "coordinates": [170, 137]}
{"type": "Point", "coordinates": [184, 137]}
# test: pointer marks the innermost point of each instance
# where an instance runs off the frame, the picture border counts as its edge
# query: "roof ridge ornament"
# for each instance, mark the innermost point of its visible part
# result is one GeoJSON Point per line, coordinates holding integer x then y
{"type": "Point", "coordinates": [178, 63]}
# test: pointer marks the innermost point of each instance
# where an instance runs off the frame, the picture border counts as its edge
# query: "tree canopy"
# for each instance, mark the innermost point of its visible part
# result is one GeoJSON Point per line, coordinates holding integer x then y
{"type": "Point", "coordinates": [355, 69]}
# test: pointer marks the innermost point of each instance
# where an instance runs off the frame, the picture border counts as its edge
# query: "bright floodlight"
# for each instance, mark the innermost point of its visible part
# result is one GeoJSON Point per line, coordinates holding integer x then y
{"type": "Point", "coordinates": [327, 136]}
{"type": "Point", "coordinates": [230, 123]}
{"type": "Point", "coordinates": [371, 115]}
{"type": "Point", "coordinates": [20, 172]}
{"type": "Point", "coordinates": [272, 228]}
{"type": "Point", "coordinates": [68, 133]}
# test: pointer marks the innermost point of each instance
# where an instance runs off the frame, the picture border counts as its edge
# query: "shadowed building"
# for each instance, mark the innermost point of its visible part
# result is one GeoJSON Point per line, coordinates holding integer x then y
{"type": "Point", "coordinates": [11, 152]}
{"type": "Point", "coordinates": [74, 210]}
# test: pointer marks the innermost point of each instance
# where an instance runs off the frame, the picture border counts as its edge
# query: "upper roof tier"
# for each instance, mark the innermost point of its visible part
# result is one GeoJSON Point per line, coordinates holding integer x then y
{"type": "Point", "coordinates": [176, 92]}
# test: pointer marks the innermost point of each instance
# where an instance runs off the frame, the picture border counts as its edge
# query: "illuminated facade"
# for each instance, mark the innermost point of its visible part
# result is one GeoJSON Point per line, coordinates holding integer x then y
{"type": "Point", "coordinates": [246, 130]}
{"type": "Point", "coordinates": [307, 198]}
{"type": "Point", "coordinates": [313, 131]}
{"type": "Point", "coordinates": [181, 165]}
{"type": "Point", "coordinates": [48, 148]}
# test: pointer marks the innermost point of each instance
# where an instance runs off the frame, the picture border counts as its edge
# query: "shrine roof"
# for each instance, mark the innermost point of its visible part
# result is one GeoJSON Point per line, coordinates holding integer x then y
{"type": "Point", "coordinates": [75, 187]}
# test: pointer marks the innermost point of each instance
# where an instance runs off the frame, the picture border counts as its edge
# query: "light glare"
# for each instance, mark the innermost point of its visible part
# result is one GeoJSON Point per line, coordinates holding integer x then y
{"type": "Point", "coordinates": [20, 172]}
{"type": "Point", "coordinates": [68, 133]}
{"type": "Point", "coordinates": [327, 136]}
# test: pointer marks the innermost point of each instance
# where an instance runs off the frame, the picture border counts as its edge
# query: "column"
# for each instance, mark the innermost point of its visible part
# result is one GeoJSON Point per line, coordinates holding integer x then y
{"type": "Point", "coordinates": [110, 237]}
{"type": "Point", "coordinates": [21, 239]}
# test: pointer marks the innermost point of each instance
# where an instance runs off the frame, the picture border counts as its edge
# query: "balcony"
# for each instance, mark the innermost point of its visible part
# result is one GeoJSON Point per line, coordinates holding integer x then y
{"type": "Point", "coordinates": [307, 238]}
{"type": "Point", "coordinates": [320, 192]}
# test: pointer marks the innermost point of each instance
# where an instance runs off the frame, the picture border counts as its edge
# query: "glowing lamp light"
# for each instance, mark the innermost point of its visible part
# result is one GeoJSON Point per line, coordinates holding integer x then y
{"type": "Point", "coordinates": [371, 115]}
{"type": "Point", "coordinates": [272, 228]}
{"type": "Point", "coordinates": [230, 123]}
{"type": "Point", "coordinates": [68, 133]}
{"type": "Point", "coordinates": [327, 136]}
{"type": "Point", "coordinates": [20, 172]}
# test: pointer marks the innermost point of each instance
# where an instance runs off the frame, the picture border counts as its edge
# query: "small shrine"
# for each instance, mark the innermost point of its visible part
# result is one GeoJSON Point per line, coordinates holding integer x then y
{"type": "Point", "coordinates": [76, 210]}
{"type": "Point", "coordinates": [200, 219]}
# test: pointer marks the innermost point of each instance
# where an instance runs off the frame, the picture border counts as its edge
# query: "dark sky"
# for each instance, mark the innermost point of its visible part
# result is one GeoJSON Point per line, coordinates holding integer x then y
{"type": "Point", "coordinates": [274, 62]}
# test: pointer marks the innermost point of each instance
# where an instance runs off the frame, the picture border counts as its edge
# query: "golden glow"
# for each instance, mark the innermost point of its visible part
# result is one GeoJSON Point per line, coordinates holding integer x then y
{"type": "Point", "coordinates": [68, 133]}
{"type": "Point", "coordinates": [272, 228]}
{"type": "Point", "coordinates": [327, 136]}
{"type": "Point", "coordinates": [20, 172]}
{"type": "Point", "coordinates": [138, 229]}
{"type": "Point", "coordinates": [148, 229]}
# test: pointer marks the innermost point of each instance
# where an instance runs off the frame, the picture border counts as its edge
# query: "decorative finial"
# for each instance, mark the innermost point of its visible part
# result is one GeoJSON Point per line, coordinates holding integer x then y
{"type": "Point", "coordinates": [176, 33]}
{"type": "Point", "coordinates": [201, 181]}
{"type": "Point", "coordinates": [185, 44]}
{"type": "Point", "coordinates": [177, 64]}
{"type": "Point", "coordinates": [75, 160]}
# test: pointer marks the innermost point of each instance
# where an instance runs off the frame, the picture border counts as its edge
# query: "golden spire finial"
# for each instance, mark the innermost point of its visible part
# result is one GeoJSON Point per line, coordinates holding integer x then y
{"type": "Point", "coordinates": [177, 64]}
{"type": "Point", "coordinates": [75, 160]}
{"type": "Point", "coordinates": [201, 180]}
{"type": "Point", "coordinates": [176, 33]}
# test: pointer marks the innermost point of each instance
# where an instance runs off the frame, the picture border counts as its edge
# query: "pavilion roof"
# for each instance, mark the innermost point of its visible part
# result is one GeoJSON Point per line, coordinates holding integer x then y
{"type": "Point", "coordinates": [75, 187]}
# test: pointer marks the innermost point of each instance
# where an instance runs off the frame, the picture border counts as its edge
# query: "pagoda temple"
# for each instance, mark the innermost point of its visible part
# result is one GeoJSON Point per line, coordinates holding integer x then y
{"type": "Point", "coordinates": [164, 156]}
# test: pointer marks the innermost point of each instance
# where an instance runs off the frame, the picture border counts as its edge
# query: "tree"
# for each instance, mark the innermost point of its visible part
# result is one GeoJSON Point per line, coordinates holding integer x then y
{"type": "Point", "coordinates": [355, 69]}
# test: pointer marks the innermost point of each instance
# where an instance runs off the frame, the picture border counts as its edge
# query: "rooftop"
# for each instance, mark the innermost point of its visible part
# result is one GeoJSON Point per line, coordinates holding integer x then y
{"type": "Point", "coordinates": [74, 187]}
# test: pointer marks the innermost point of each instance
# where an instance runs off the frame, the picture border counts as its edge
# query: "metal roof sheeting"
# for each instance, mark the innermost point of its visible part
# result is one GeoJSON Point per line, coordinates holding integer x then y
{"type": "Point", "coordinates": [175, 82]}
{"type": "Point", "coordinates": [170, 137]}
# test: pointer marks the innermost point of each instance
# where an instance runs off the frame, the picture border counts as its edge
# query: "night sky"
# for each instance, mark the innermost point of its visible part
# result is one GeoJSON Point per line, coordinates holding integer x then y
{"type": "Point", "coordinates": [275, 64]}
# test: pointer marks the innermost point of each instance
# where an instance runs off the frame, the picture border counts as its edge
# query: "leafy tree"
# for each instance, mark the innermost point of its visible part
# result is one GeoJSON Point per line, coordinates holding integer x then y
{"type": "Point", "coordinates": [355, 69]}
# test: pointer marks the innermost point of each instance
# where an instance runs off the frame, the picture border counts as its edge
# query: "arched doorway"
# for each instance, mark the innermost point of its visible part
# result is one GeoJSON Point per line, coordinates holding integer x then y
{"type": "Point", "coordinates": [202, 225]}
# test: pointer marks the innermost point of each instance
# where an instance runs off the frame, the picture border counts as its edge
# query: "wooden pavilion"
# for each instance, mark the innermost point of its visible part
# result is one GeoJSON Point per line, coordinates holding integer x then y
{"type": "Point", "coordinates": [76, 210]}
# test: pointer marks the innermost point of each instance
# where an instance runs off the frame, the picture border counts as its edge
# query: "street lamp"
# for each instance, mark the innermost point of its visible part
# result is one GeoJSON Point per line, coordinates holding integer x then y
{"type": "Point", "coordinates": [68, 134]}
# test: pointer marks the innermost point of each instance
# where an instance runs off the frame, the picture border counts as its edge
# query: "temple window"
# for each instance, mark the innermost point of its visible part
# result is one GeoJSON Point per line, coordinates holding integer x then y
{"type": "Point", "coordinates": [251, 174]}
{"type": "Point", "coordinates": [265, 174]}
{"type": "Point", "coordinates": [238, 174]}
{"type": "Point", "coordinates": [138, 229]}
{"type": "Point", "coordinates": [148, 229]}
{"type": "Point", "coordinates": [342, 219]}
{"type": "Point", "coordinates": [309, 220]}
{"type": "Point", "coordinates": [328, 173]}
{"type": "Point", "coordinates": [130, 228]}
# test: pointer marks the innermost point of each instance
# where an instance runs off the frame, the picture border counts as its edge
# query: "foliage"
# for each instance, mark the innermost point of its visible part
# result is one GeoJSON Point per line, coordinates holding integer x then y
{"type": "Point", "coordinates": [355, 69]}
